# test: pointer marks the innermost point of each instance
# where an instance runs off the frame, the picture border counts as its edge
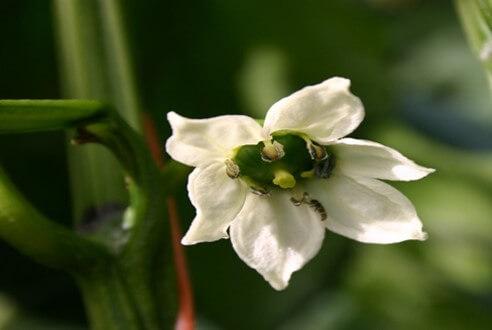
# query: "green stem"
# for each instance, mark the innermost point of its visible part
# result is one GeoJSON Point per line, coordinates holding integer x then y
{"type": "Point", "coordinates": [81, 54]}
{"type": "Point", "coordinates": [96, 64]}
{"type": "Point", "coordinates": [108, 300]}
{"type": "Point", "coordinates": [31, 233]}
{"type": "Point", "coordinates": [118, 57]}
{"type": "Point", "coordinates": [21, 116]}
{"type": "Point", "coordinates": [95, 56]}
{"type": "Point", "coordinates": [143, 253]}
{"type": "Point", "coordinates": [87, 71]}
{"type": "Point", "coordinates": [120, 292]}
{"type": "Point", "coordinates": [127, 289]}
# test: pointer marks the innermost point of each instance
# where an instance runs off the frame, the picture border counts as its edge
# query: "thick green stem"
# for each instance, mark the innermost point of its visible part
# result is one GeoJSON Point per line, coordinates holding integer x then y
{"type": "Point", "coordinates": [31, 233]}
{"type": "Point", "coordinates": [109, 301]}
{"type": "Point", "coordinates": [143, 253]}
{"type": "Point", "coordinates": [96, 64]}
{"type": "Point", "coordinates": [141, 260]}
{"type": "Point", "coordinates": [21, 116]}
{"type": "Point", "coordinates": [89, 71]}
{"type": "Point", "coordinates": [118, 59]}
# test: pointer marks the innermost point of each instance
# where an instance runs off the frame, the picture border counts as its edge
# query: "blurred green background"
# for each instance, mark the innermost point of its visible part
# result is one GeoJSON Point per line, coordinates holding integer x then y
{"type": "Point", "coordinates": [424, 92]}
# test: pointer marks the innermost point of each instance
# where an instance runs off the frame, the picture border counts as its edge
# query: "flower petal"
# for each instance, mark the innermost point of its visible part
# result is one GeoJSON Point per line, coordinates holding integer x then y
{"type": "Point", "coordinates": [198, 142]}
{"type": "Point", "coordinates": [366, 210]}
{"type": "Point", "coordinates": [373, 160]}
{"type": "Point", "coordinates": [275, 237]}
{"type": "Point", "coordinates": [217, 199]}
{"type": "Point", "coordinates": [325, 112]}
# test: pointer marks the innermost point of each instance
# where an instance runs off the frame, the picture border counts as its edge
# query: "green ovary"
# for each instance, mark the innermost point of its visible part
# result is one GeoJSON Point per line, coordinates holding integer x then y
{"type": "Point", "coordinates": [283, 172]}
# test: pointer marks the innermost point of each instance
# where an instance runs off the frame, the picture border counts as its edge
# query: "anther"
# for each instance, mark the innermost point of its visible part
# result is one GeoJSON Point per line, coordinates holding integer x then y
{"type": "Point", "coordinates": [314, 204]}
{"type": "Point", "coordinates": [261, 191]}
{"type": "Point", "coordinates": [318, 208]}
{"type": "Point", "coordinates": [324, 168]}
{"type": "Point", "coordinates": [272, 151]}
{"type": "Point", "coordinates": [317, 152]}
{"type": "Point", "coordinates": [232, 169]}
{"type": "Point", "coordinates": [298, 199]}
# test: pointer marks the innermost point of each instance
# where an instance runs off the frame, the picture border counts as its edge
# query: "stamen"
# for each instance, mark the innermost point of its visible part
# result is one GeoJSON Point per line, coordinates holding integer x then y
{"type": "Point", "coordinates": [324, 168]}
{"type": "Point", "coordinates": [314, 204]}
{"type": "Point", "coordinates": [318, 208]}
{"type": "Point", "coordinates": [297, 199]}
{"type": "Point", "coordinates": [261, 191]}
{"type": "Point", "coordinates": [308, 174]}
{"type": "Point", "coordinates": [317, 152]}
{"type": "Point", "coordinates": [232, 169]}
{"type": "Point", "coordinates": [272, 151]}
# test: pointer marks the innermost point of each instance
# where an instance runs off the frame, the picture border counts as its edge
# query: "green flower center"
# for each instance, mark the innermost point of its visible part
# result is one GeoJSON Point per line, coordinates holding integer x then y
{"type": "Point", "coordinates": [282, 162]}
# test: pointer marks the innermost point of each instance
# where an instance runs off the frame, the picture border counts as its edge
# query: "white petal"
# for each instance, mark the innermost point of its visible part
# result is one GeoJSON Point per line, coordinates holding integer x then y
{"type": "Point", "coordinates": [217, 199]}
{"type": "Point", "coordinates": [366, 210]}
{"type": "Point", "coordinates": [198, 142]}
{"type": "Point", "coordinates": [275, 237]}
{"type": "Point", "coordinates": [325, 112]}
{"type": "Point", "coordinates": [374, 160]}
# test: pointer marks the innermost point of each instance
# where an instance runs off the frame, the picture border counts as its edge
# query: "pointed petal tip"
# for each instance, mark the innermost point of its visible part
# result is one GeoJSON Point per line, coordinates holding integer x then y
{"type": "Point", "coordinates": [426, 171]}
{"type": "Point", "coordinates": [172, 143]}
{"type": "Point", "coordinates": [338, 82]}
{"type": "Point", "coordinates": [277, 281]}
{"type": "Point", "coordinates": [411, 173]}
{"type": "Point", "coordinates": [278, 285]}
{"type": "Point", "coordinates": [430, 170]}
{"type": "Point", "coordinates": [421, 236]}
{"type": "Point", "coordinates": [188, 239]}
{"type": "Point", "coordinates": [172, 116]}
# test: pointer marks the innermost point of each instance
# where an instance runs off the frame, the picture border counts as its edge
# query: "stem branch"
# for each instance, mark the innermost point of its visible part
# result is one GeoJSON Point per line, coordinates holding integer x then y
{"type": "Point", "coordinates": [23, 227]}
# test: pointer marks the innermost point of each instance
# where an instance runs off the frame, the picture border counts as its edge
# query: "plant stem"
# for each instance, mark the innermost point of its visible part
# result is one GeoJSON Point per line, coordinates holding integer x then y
{"type": "Point", "coordinates": [127, 286]}
{"type": "Point", "coordinates": [21, 116]}
{"type": "Point", "coordinates": [96, 62]}
{"type": "Point", "coordinates": [31, 233]}
{"type": "Point", "coordinates": [185, 320]}
{"type": "Point", "coordinates": [123, 85]}
{"type": "Point", "coordinates": [108, 300]}
{"type": "Point", "coordinates": [96, 178]}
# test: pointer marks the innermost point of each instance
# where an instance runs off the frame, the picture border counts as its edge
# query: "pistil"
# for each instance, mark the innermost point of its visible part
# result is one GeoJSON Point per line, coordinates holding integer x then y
{"type": "Point", "coordinates": [283, 179]}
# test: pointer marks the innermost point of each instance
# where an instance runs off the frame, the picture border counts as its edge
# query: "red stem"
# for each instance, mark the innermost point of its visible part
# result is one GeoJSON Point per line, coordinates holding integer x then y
{"type": "Point", "coordinates": [185, 319]}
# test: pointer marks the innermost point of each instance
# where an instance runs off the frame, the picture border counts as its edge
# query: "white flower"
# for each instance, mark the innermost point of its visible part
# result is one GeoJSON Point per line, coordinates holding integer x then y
{"type": "Point", "coordinates": [276, 188]}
